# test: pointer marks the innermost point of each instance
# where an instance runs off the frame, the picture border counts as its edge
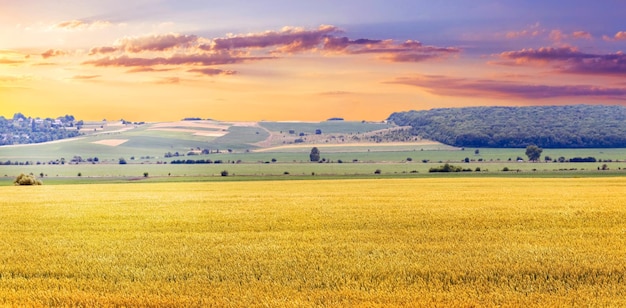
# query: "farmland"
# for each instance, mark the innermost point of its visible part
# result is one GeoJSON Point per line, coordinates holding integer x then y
{"type": "Point", "coordinates": [394, 242]}
{"type": "Point", "coordinates": [271, 150]}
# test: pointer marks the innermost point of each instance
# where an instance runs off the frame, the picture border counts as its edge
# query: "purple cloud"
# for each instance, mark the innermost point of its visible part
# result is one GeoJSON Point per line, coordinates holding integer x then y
{"type": "Point", "coordinates": [464, 87]}
{"type": "Point", "coordinates": [569, 60]}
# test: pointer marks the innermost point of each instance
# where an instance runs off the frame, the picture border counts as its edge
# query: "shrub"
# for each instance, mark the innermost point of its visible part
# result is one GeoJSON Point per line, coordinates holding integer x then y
{"type": "Point", "coordinates": [26, 179]}
{"type": "Point", "coordinates": [145, 174]}
{"type": "Point", "coordinates": [224, 173]}
{"type": "Point", "coordinates": [377, 171]}
{"type": "Point", "coordinates": [446, 168]}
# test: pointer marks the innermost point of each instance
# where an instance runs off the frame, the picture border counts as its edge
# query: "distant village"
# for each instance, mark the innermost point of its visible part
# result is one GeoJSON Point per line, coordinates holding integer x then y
{"type": "Point", "coordinates": [25, 130]}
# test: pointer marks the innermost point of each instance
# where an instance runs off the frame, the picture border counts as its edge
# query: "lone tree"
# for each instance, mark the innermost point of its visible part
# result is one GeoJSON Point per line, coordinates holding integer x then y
{"type": "Point", "coordinates": [533, 152]}
{"type": "Point", "coordinates": [315, 154]}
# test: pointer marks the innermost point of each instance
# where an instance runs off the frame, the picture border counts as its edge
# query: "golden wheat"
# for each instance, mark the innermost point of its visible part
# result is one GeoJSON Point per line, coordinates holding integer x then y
{"type": "Point", "coordinates": [418, 242]}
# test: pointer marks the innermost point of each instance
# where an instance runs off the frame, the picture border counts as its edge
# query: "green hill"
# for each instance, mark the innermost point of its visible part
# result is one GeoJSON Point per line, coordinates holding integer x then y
{"type": "Point", "coordinates": [573, 126]}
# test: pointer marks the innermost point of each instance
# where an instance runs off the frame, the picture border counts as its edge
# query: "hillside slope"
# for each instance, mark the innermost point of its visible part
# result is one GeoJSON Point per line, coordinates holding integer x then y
{"type": "Point", "coordinates": [573, 126]}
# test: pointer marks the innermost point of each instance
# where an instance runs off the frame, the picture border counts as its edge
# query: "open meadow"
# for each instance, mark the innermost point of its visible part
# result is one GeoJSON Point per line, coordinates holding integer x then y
{"type": "Point", "coordinates": [394, 242]}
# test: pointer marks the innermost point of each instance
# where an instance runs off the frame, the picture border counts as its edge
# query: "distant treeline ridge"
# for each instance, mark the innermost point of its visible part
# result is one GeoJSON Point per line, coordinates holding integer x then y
{"type": "Point", "coordinates": [571, 126]}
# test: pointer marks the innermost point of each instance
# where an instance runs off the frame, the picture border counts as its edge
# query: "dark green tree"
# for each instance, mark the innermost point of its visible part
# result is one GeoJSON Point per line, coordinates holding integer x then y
{"type": "Point", "coordinates": [533, 152]}
{"type": "Point", "coordinates": [315, 154]}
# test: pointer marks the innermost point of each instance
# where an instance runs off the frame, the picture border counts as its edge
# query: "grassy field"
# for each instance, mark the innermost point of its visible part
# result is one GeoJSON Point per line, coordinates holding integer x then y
{"type": "Point", "coordinates": [374, 243]}
{"type": "Point", "coordinates": [144, 148]}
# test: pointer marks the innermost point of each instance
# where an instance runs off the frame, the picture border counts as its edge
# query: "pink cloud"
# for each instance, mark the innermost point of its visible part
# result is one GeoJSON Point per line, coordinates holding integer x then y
{"type": "Point", "coordinates": [195, 51]}
{"type": "Point", "coordinates": [464, 87]}
{"type": "Point", "coordinates": [81, 24]}
{"type": "Point", "coordinates": [195, 59]}
{"type": "Point", "coordinates": [53, 53]}
{"type": "Point", "coordinates": [102, 50]}
{"type": "Point", "coordinates": [157, 42]}
{"type": "Point", "coordinates": [289, 39]}
{"type": "Point", "coordinates": [569, 60]}
{"type": "Point", "coordinates": [582, 35]}
{"type": "Point", "coordinates": [147, 69]}
{"type": "Point", "coordinates": [148, 43]}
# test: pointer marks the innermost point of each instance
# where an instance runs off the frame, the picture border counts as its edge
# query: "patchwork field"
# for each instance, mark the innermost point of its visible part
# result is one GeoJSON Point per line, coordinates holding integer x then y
{"type": "Point", "coordinates": [398, 242]}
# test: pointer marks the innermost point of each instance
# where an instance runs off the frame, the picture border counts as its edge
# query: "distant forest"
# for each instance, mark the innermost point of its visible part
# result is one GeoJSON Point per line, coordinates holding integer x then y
{"type": "Point", "coordinates": [572, 126]}
{"type": "Point", "coordinates": [24, 130]}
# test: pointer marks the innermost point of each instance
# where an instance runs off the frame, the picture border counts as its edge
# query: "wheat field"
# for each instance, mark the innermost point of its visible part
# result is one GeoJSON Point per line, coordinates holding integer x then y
{"type": "Point", "coordinates": [367, 243]}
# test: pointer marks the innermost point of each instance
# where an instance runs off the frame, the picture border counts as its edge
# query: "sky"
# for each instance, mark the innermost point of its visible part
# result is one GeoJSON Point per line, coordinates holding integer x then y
{"type": "Point", "coordinates": [285, 60]}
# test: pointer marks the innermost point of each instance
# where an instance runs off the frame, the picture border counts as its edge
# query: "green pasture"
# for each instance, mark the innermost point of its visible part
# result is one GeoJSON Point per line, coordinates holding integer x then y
{"type": "Point", "coordinates": [327, 127]}
{"type": "Point", "coordinates": [247, 171]}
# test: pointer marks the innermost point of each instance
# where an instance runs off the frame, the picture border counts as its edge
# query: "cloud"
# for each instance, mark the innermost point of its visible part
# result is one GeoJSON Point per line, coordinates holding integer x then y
{"type": "Point", "coordinates": [9, 61]}
{"type": "Point", "coordinates": [53, 53]}
{"type": "Point", "coordinates": [289, 40]}
{"type": "Point", "coordinates": [465, 87]}
{"type": "Point", "coordinates": [555, 35]}
{"type": "Point", "coordinates": [85, 77]}
{"type": "Point", "coordinates": [212, 71]}
{"type": "Point", "coordinates": [102, 50]}
{"type": "Point", "coordinates": [582, 35]}
{"type": "Point", "coordinates": [335, 93]}
{"type": "Point", "coordinates": [81, 25]}
{"type": "Point", "coordinates": [619, 36]}
{"type": "Point", "coordinates": [147, 69]}
{"type": "Point", "coordinates": [194, 59]}
{"type": "Point", "coordinates": [569, 60]}
{"type": "Point", "coordinates": [324, 39]}
{"type": "Point", "coordinates": [191, 50]}
{"type": "Point", "coordinates": [168, 80]}
{"type": "Point", "coordinates": [408, 51]}
{"type": "Point", "coordinates": [157, 43]}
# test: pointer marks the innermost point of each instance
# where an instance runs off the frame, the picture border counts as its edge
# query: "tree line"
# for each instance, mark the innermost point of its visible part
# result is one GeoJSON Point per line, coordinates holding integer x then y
{"type": "Point", "coordinates": [571, 126]}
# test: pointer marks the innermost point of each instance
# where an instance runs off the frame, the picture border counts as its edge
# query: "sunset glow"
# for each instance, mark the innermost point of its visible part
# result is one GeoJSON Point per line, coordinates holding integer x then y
{"type": "Point", "coordinates": [304, 60]}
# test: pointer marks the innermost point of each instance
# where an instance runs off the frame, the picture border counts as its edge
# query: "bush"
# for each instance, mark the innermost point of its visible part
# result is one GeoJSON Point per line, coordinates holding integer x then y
{"type": "Point", "coordinates": [224, 173]}
{"type": "Point", "coordinates": [26, 179]}
{"type": "Point", "coordinates": [446, 168]}
{"type": "Point", "coordinates": [145, 174]}
{"type": "Point", "coordinates": [377, 171]}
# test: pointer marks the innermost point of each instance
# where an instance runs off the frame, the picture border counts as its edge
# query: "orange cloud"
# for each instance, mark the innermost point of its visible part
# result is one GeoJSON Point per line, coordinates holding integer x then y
{"type": "Point", "coordinates": [85, 77]}
{"type": "Point", "coordinates": [212, 71]}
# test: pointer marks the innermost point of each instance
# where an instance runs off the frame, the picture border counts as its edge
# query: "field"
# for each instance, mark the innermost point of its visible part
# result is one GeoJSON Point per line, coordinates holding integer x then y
{"type": "Point", "coordinates": [393, 242]}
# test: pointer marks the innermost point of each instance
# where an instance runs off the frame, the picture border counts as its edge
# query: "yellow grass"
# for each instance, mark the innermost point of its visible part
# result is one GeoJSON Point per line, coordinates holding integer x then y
{"type": "Point", "coordinates": [111, 142]}
{"type": "Point", "coordinates": [372, 243]}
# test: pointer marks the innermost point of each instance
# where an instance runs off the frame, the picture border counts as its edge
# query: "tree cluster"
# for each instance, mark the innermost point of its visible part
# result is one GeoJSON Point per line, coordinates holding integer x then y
{"type": "Point", "coordinates": [572, 126]}
{"type": "Point", "coordinates": [24, 130]}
